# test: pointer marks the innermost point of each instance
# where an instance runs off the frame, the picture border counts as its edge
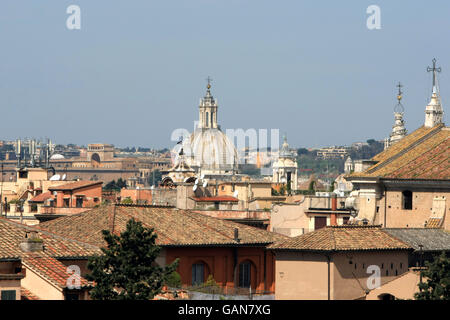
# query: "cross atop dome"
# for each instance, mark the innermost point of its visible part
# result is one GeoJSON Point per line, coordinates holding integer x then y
{"type": "Point", "coordinates": [433, 111]}
{"type": "Point", "coordinates": [399, 107]}
{"type": "Point", "coordinates": [434, 70]}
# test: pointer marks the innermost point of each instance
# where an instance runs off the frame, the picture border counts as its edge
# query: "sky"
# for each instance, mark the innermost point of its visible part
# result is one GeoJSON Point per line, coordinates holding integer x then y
{"type": "Point", "coordinates": [135, 70]}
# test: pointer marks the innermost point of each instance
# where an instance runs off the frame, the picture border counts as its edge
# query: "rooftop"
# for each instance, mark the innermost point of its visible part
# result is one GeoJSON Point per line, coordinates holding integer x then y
{"type": "Point", "coordinates": [430, 239]}
{"type": "Point", "coordinates": [74, 185]}
{"type": "Point", "coordinates": [56, 246]}
{"type": "Point", "coordinates": [174, 227]}
{"type": "Point", "coordinates": [216, 199]}
{"type": "Point", "coordinates": [343, 238]}
{"type": "Point", "coordinates": [41, 197]}
{"type": "Point", "coordinates": [421, 155]}
{"type": "Point", "coordinates": [50, 269]}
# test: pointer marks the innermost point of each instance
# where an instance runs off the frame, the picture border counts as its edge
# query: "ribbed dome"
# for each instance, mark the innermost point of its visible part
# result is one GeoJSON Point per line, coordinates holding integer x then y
{"type": "Point", "coordinates": [211, 150]}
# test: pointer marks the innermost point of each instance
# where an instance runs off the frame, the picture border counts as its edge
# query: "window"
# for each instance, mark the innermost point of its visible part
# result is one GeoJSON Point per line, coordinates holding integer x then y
{"type": "Point", "coordinates": [245, 274]}
{"type": "Point", "coordinates": [66, 203]}
{"type": "Point", "coordinates": [8, 295]}
{"type": "Point", "coordinates": [407, 200]}
{"type": "Point", "coordinates": [79, 203]}
{"type": "Point", "coordinates": [320, 222]}
{"type": "Point", "coordinates": [198, 272]}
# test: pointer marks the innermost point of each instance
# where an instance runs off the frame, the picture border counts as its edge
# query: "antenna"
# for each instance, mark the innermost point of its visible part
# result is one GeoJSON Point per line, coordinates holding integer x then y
{"type": "Point", "coordinates": [64, 177]}
{"type": "Point", "coordinates": [196, 181]}
{"type": "Point", "coordinates": [205, 183]}
{"type": "Point", "coordinates": [235, 194]}
{"type": "Point", "coordinates": [195, 187]}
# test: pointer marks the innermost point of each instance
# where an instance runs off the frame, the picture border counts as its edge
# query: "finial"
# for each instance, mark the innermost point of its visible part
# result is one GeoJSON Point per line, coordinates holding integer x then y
{"type": "Point", "coordinates": [208, 86]}
{"type": "Point", "coordinates": [434, 70]}
{"type": "Point", "coordinates": [399, 96]}
{"type": "Point", "coordinates": [399, 107]}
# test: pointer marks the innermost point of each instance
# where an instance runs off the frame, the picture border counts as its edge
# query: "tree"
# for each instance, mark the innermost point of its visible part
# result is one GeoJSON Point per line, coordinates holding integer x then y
{"type": "Point", "coordinates": [154, 177]}
{"type": "Point", "coordinates": [174, 280]}
{"type": "Point", "coordinates": [127, 200]}
{"type": "Point", "coordinates": [127, 270]}
{"type": "Point", "coordinates": [437, 275]}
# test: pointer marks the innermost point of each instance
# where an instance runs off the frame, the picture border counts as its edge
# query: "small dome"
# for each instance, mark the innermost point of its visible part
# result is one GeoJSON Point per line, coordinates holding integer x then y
{"type": "Point", "coordinates": [57, 156]}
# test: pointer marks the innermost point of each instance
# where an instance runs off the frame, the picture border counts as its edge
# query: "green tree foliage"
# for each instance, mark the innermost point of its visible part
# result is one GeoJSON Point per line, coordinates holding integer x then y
{"type": "Point", "coordinates": [127, 200]}
{"type": "Point", "coordinates": [437, 280]}
{"type": "Point", "coordinates": [174, 280]}
{"type": "Point", "coordinates": [155, 177]}
{"type": "Point", "coordinates": [113, 185]}
{"type": "Point", "coordinates": [127, 270]}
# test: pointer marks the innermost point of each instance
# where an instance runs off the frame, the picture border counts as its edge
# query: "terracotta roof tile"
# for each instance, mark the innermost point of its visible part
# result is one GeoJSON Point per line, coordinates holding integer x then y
{"type": "Point", "coordinates": [174, 227]}
{"type": "Point", "coordinates": [424, 154]}
{"type": "Point", "coordinates": [74, 185]}
{"type": "Point", "coordinates": [434, 222]}
{"type": "Point", "coordinates": [57, 246]}
{"type": "Point", "coordinates": [50, 269]}
{"type": "Point", "coordinates": [216, 199]}
{"type": "Point", "coordinates": [41, 197]}
{"type": "Point", "coordinates": [342, 238]}
{"type": "Point", "coordinates": [26, 294]}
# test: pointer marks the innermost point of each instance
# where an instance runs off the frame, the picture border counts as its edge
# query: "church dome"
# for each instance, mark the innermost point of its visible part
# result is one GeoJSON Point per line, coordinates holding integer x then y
{"type": "Point", "coordinates": [211, 150]}
{"type": "Point", "coordinates": [208, 149]}
{"type": "Point", "coordinates": [57, 156]}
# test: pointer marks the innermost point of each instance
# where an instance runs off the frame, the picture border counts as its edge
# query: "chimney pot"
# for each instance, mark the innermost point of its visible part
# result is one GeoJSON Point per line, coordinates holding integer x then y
{"type": "Point", "coordinates": [31, 242]}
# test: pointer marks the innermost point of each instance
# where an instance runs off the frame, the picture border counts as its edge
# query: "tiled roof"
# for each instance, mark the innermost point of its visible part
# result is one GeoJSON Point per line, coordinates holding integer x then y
{"type": "Point", "coordinates": [74, 185]}
{"type": "Point", "coordinates": [50, 269]}
{"type": "Point", "coordinates": [41, 197]}
{"type": "Point", "coordinates": [343, 238]}
{"type": "Point", "coordinates": [216, 199]}
{"type": "Point", "coordinates": [430, 239]}
{"type": "Point", "coordinates": [434, 223]}
{"type": "Point", "coordinates": [174, 227]}
{"type": "Point", "coordinates": [26, 294]}
{"type": "Point", "coordinates": [57, 246]}
{"type": "Point", "coordinates": [424, 154]}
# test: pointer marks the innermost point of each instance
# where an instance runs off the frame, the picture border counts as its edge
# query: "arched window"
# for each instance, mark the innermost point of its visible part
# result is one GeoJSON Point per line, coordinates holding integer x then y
{"type": "Point", "coordinates": [198, 273]}
{"type": "Point", "coordinates": [407, 200]}
{"type": "Point", "coordinates": [207, 119]}
{"type": "Point", "coordinates": [245, 274]}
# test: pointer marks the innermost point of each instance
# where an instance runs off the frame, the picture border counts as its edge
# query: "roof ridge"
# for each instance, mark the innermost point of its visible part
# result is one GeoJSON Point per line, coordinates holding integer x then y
{"type": "Point", "coordinates": [403, 151]}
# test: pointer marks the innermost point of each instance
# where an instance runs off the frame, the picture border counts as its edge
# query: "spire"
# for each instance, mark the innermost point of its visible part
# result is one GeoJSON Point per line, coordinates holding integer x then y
{"type": "Point", "coordinates": [398, 129]}
{"type": "Point", "coordinates": [433, 111]}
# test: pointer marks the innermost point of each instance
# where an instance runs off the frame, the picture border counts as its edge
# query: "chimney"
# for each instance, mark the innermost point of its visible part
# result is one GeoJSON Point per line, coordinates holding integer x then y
{"type": "Point", "coordinates": [31, 242]}
{"type": "Point", "coordinates": [333, 216]}
{"type": "Point", "coordinates": [236, 235]}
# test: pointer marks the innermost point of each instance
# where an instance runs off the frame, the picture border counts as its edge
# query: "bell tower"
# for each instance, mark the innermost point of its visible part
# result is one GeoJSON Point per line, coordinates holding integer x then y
{"type": "Point", "coordinates": [208, 109]}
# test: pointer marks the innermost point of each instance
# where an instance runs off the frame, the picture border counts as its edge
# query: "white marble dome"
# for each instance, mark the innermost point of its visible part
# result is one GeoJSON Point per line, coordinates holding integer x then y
{"type": "Point", "coordinates": [57, 156]}
{"type": "Point", "coordinates": [210, 150]}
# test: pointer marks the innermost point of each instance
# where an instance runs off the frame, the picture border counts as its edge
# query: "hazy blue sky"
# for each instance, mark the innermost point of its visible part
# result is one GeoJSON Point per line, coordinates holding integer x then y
{"type": "Point", "coordinates": [136, 69]}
